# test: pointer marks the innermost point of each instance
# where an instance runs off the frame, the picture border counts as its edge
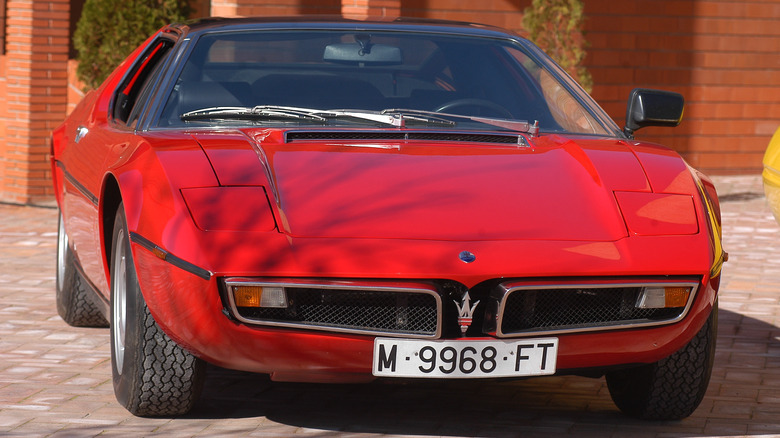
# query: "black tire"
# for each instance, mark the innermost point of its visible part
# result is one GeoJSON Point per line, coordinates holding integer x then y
{"type": "Point", "coordinates": [672, 388]}
{"type": "Point", "coordinates": [152, 375]}
{"type": "Point", "coordinates": [75, 303]}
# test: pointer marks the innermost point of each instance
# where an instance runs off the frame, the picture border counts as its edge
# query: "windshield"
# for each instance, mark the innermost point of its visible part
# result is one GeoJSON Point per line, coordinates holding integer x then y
{"type": "Point", "coordinates": [331, 77]}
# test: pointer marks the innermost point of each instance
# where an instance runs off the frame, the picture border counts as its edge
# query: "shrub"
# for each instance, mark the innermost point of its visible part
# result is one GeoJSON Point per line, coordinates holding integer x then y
{"type": "Point", "coordinates": [556, 27]}
{"type": "Point", "coordinates": [109, 30]}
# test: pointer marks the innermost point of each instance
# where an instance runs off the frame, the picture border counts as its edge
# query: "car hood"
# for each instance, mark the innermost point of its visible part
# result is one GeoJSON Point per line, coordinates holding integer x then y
{"type": "Point", "coordinates": [556, 189]}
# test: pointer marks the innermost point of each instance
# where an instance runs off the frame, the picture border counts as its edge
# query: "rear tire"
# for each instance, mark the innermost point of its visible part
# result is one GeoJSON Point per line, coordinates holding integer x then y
{"type": "Point", "coordinates": [152, 375]}
{"type": "Point", "coordinates": [75, 305]}
{"type": "Point", "coordinates": [672, 388]}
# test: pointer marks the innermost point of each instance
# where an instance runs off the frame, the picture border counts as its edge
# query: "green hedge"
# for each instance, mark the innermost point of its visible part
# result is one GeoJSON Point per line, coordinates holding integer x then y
{"type": "Point", "coordinates": [556, 27]}
{"type": "Point", "coordinates": [109, 30]}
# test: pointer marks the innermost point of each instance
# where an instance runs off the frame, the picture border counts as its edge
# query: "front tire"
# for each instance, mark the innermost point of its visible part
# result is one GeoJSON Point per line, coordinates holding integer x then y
{"type": "Point", "coordinates": [152, 375]}
{"type": "Point", "coordinates": [74, 303]}
{"type": "Point", "coordinates": [672, 388]}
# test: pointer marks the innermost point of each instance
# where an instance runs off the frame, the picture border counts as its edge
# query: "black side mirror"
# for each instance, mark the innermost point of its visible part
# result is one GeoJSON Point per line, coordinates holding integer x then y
{"type": "Point", "coordinates": [652, 108]}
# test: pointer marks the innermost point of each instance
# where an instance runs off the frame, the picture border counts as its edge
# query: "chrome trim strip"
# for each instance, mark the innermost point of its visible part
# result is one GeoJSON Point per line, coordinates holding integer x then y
{"type": "Point", "coordinates": [168, 257]}
{"type": "Point", "coordinates": [80, 187]}
{"type": "Point", "coordinates": [498, 299]}
{"type": "Point", "coordinates": [402, 287]}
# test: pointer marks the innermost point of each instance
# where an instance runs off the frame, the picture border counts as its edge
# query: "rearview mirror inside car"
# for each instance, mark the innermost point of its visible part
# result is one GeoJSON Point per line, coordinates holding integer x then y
{"type": "Point", "coordinates": [362, 51]}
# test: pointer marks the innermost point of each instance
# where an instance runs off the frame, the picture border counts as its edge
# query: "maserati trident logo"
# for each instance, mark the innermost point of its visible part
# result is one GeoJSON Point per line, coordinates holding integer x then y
{"type": "Point", "coordinates": [467, 256]}
{"type": "Point", "coordinates": [465, 313]}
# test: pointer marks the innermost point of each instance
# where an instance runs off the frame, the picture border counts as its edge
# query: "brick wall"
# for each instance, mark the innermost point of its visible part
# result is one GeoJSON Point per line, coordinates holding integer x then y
{"type": "Point", "coordinates": [3, 123]}
{"type": "Point", "coordinates": [723, 55]}
{"type": "Point", "coordinates": [503, 13]}
{"type": "Point", "coordinates": [32, 95]}
{"type": "Point", "coordinates": [233, 8]}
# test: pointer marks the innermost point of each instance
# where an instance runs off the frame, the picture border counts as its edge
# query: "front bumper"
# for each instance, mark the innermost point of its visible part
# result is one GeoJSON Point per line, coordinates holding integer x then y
{"type": "Point", "coordinates": [196, 312]}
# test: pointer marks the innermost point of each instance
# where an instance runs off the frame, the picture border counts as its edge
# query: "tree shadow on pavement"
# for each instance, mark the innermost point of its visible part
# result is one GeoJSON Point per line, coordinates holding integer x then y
{"type": "Point", "coordinates": [743, 399]}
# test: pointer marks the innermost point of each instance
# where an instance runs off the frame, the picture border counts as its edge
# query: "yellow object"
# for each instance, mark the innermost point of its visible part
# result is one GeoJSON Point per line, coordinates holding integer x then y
{"type": "Point", "coordinates": [771, 174]}
{"type": "Point", "coordinates": [716, 233]}
{"type": "Point", "coordinates": [248, 296]}
{"type": "Point", "coordinates": [676, 296]}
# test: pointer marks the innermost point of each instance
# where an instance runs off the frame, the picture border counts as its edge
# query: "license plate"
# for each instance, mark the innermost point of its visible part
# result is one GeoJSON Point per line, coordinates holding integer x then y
{"type": "Point", "coordinates": [464, 359]}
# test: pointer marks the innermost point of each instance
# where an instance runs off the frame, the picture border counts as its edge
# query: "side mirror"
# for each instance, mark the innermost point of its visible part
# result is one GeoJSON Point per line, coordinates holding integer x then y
{"type": "Point", "coordinates": [652, 108]}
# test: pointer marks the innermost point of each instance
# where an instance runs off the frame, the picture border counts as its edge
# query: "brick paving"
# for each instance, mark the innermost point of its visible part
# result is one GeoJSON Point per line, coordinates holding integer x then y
{"type": "Point", "coordinates": [55, 380]}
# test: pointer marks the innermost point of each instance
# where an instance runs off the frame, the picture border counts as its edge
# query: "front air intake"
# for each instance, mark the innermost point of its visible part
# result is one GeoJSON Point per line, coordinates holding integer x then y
{"type": "Point", "coordinates": [363, 308]}
{"type": "Point", "coordinates": [522, 309]}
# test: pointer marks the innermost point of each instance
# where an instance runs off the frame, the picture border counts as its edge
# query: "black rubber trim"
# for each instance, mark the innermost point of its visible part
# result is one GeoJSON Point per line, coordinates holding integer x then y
{"type": "Point", "coordinates": [80, 187]}
{"type": "Point", "coordinates": [170, 258]}
{"type": "Point", "coordinates": [292, 136]}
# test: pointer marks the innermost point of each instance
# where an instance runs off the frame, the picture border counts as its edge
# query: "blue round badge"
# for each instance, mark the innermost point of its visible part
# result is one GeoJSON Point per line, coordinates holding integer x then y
{"type": "Point", "coordinates": [467, 257]}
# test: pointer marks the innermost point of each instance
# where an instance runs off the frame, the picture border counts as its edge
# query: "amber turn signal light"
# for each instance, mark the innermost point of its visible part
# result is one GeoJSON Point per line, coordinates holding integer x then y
{"type": "Point", "coordinates": [260, 296]}
{"type": "Point", "coordinates": [660, 297]}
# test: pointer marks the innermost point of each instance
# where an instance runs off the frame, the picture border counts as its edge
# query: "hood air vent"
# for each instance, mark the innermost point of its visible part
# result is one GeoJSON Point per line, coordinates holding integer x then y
{"type": "Point", "coordinates": [404, 136]}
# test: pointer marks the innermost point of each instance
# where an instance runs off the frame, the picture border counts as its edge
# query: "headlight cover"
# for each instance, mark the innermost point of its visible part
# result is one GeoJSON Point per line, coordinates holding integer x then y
{"type": "Point", "coordinates": [243, 208]}
{"type": "Point", "coordinates": [657, 214]}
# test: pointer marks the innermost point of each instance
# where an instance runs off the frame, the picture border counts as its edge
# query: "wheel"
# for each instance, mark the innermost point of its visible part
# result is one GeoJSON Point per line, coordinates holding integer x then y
{"type": "Point", "coordinates": [75, 303]}
{"type": "Point", "coordinates": [153, 376]}
{"type": "Point", "coordinates": [492, 107]}
{"type": "Point", "coordinates": [672, 388]}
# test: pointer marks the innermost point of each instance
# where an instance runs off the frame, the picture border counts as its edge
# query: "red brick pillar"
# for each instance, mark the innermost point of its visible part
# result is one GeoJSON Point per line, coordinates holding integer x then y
{"type": "Point", "coordinates": [371, 8]}
{"type": "Point", "coordinates": [246, 8]}
{"type": "Point", "coordinates": [35, 76]}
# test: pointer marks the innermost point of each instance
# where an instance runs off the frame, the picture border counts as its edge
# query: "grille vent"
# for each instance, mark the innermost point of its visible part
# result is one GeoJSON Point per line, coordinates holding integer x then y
{"type": "Point", "coordinates": [367, 311]}
{"type": "Point", "coordinates": [533, 310]}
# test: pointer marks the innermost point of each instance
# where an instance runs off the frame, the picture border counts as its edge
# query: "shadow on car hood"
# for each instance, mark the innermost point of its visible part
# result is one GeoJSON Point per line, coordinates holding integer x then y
{"type": "Point", "coordinates": [555, 190]}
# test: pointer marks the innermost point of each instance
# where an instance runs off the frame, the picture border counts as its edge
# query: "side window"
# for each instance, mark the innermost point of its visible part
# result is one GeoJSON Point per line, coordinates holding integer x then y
{"type": "Point", "coordinates": [129, 95]}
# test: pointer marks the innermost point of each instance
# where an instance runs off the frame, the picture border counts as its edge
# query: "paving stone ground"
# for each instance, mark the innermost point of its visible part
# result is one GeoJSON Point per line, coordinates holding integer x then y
{"type": "Point", "coordinates": [55, 380]}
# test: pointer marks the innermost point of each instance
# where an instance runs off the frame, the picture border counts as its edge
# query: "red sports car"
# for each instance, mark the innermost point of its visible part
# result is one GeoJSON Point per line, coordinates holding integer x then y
{"type": "Point", "coordinates": [327, 200]}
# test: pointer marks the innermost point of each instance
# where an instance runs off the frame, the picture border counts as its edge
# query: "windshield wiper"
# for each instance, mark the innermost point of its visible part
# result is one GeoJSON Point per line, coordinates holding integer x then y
{"type": "Point", "coordinates": [395, 118]}
{"type": "Point", "coordinates": [254, 113]}
{"type": "Point", "coordinates": [429, 118]}
{"type": "Point", "coordinates": [442, 119]}
{"type": "Point", "coordinates": [362, 115]}
{"type": "Point", "coordinates": [273, 112]}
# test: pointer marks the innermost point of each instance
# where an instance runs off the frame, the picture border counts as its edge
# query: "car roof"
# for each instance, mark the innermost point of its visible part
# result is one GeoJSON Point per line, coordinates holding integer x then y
{"type": "Point", "coordinates": [337, 22]}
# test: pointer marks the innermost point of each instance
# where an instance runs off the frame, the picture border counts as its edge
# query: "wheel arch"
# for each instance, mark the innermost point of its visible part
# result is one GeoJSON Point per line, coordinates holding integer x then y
{"type": "Point", "coordinates": [110, 202]}
{"type": "Point", "coordinates": [119, 189]}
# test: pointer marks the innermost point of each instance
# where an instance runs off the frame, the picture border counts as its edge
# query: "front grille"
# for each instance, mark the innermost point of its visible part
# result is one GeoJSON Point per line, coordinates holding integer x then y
{"type": "Point", "coordinates": [571, 309]}
{"type": "Point", "coordinates": [401, 136]}
{"type": "Point", "coordinates": [364, 310]}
